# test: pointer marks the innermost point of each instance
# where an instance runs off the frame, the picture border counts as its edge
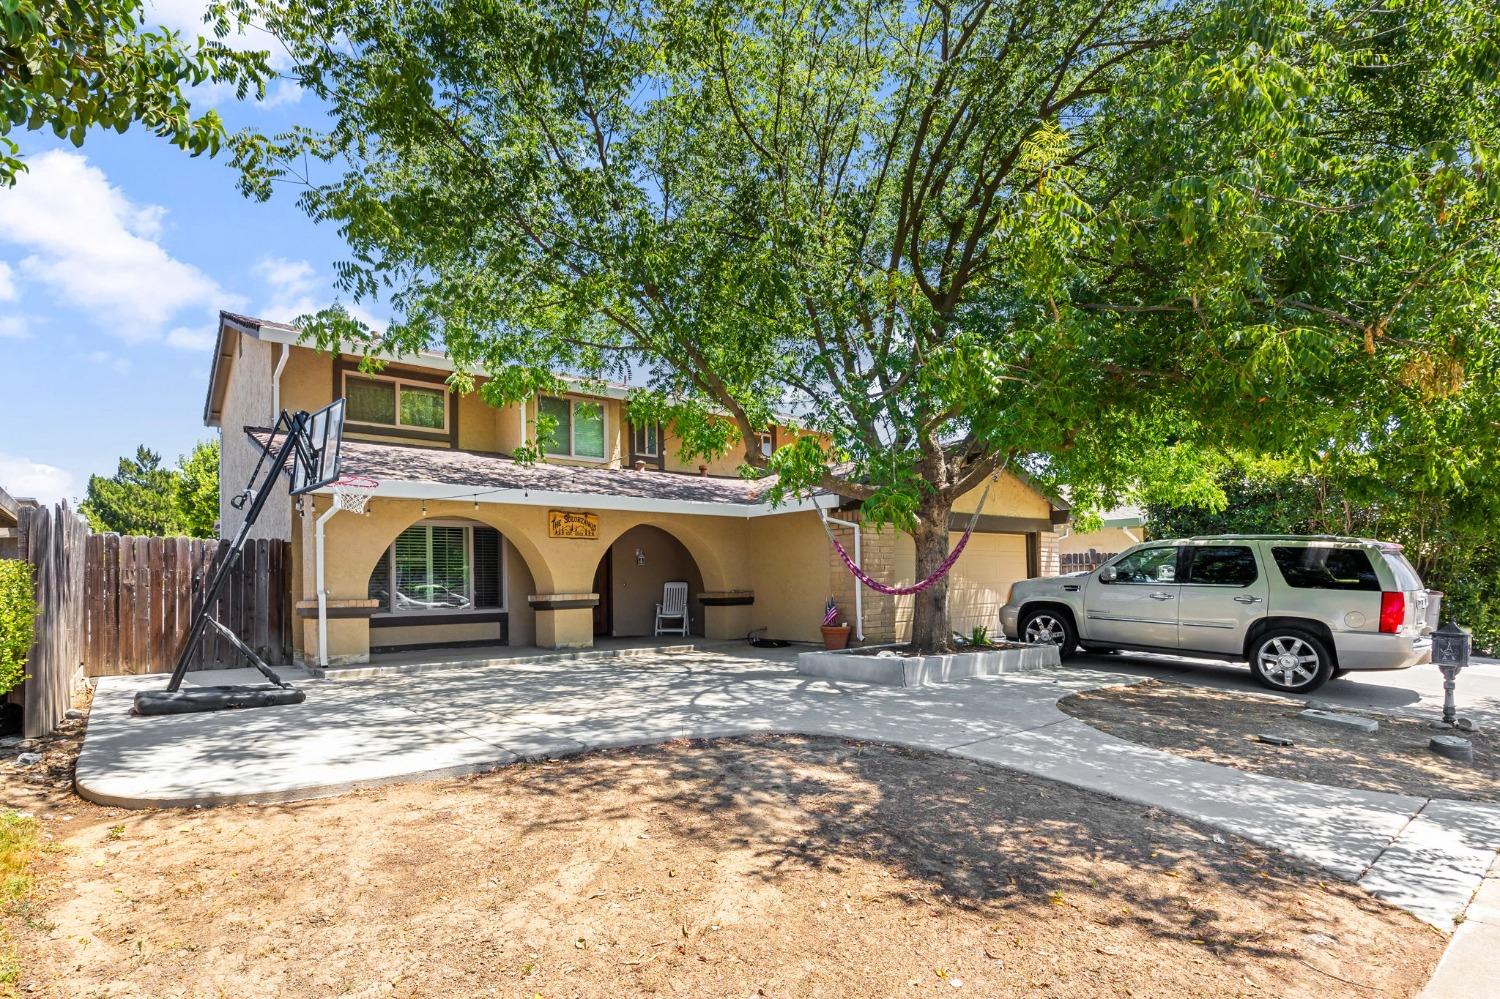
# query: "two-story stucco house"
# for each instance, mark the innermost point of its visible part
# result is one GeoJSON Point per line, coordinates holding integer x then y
{"type": "Point", "coordinates": [461, 545]}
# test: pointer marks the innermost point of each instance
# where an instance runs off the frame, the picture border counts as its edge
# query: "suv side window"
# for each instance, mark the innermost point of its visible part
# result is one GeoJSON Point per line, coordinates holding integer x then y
{"type": "Point", "coordinates": [1317, 568]}
{"type": "Point", "coordinates": [1221, 565]}
{"type": "Point", "coordinates": [1149, 565]}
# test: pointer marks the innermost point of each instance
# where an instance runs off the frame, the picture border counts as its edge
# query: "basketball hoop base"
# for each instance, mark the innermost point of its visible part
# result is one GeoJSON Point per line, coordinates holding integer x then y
{"type": "Point", "coordinates": [182, 702]}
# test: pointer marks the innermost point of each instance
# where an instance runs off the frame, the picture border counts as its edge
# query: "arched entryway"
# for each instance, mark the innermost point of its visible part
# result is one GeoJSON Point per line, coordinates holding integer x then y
{"type": "Point", "coordinates": [630, 578]}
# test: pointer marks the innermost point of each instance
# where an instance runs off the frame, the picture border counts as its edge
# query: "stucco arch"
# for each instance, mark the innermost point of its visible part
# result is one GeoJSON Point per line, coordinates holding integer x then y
{"type": "Point", "coordinates": [712, 542]}
{"type": "Point", "coordinates": [355, 542]}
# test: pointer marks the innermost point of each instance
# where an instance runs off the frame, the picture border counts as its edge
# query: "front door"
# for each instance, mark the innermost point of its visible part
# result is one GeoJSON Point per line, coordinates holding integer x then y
{"type": "Point", "coordinates": [1223, 592]}
{"type": "Point", "coordinates": [604, 618]}
{"type": "Point", "coordinates": [1136, 604]}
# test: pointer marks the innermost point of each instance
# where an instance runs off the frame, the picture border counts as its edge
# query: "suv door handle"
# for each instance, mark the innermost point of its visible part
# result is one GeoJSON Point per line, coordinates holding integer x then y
{"type": "Point", "coordinates": [1246, 598]}
{"type": "Point", "coordinates": [1159, 595]}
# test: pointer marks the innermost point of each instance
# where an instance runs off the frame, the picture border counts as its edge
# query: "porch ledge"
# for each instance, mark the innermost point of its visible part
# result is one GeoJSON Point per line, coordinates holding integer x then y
{"type": "Point", "coordinates": [562, 601]}
{"type": "Point", "coordinates": [339, 608]}
{"type": "Point", "coordinates": [727, 598]}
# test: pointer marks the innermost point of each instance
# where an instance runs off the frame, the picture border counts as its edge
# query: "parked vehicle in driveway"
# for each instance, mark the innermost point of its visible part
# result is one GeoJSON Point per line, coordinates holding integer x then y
{"type": "Point", "coordinates": [1299, 610]}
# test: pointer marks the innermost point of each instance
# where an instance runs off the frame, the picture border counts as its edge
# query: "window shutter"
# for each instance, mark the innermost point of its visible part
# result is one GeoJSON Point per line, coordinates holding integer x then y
{"type": "Point", "coordinates": [487, 580]}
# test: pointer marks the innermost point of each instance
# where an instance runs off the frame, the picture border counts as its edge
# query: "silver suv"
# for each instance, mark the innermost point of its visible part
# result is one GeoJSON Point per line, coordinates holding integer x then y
{"type": "Point", "coordinates": [1300, 610]}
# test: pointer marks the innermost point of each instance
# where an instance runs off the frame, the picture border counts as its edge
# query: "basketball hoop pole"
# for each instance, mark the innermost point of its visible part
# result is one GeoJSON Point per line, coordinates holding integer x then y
{"type": "Point", "coordinates": [204, 616]}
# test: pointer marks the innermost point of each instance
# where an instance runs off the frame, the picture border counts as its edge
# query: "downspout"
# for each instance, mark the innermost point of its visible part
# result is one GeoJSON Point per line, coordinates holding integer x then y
{"type": "Point", "coordinates": [333, 508]}
{"type": "Point", "coordinates": [286, 352]}
{"type": "Point", "coordinates": [859, 589]}
{"type": "Point", "coordinates": [522, 410]}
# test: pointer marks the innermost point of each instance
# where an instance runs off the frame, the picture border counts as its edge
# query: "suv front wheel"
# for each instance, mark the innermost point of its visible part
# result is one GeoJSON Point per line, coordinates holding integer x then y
{"type": "Point", "coordinates": [1045, 626]}
{"type": "Point", "coordinates": [1290, 660]}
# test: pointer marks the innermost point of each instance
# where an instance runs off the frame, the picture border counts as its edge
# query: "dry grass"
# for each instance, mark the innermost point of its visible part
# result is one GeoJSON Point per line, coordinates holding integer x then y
{"type": "Point", "coordinates": [1219, 726]}
{"type": "Point", "coordinates": [757, 867]}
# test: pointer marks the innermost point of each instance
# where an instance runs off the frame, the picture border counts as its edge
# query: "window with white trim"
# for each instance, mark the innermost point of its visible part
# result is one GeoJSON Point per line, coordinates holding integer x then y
{"type": "Point", "coordinates": [579, 430]}
{"type": "Point", "coordinates": [766, 443]}
{"type": "Point", "coordinates": [394, 402]}
{"type": "Point", "coordinates": [442, 568]}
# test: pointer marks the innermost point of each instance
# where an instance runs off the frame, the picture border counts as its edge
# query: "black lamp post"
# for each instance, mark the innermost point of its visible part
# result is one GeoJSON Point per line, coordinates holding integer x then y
{"type": "Point", "coordinates": [1450, 653]}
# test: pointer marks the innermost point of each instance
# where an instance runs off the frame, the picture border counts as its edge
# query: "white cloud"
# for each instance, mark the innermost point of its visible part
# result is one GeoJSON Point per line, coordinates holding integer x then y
{"type": "Point", "coordinates": [188, 338]}
{"type": "Point", "coordinates": [295, 288]}
{"type": "Point", "coordinates": [96, 249]}
{"type": "Point", "coordinates": [8, 291]}
{"type": "Point", "coordinates": [105, 359]}
{"type": "Point", "coordinates": [47, 483]}
{"type": "Point", "coordinates": [15, 328]}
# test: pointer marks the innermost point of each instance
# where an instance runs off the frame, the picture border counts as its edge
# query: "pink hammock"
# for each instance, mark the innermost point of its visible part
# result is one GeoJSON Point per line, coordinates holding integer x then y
{"type": "Point", "coordinates": [921, 584]}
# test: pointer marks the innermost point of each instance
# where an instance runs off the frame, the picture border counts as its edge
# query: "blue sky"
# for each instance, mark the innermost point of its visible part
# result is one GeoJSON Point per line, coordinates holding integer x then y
{"type": "Point", "coordinates": [114, 261]}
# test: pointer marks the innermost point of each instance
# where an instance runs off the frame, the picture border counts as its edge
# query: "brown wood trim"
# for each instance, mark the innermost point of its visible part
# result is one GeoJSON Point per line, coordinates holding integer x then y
{"type": "Point", "coordinates": [436, 620]}
{"type": "Point", "coordinates": [380, 430]}
{"type": "Point", "coordinates": [347, 363]}
{"type": "Point", "coordinates": [570, 603]}
{"type": "Point", "coordinates": [989, 524]}
{"type": "Point", "coordinates": [337, 613]}
{"type": "Point", "coordinates": [1033, 554]}
{"type": "Point", "coordinates": [726, 599]}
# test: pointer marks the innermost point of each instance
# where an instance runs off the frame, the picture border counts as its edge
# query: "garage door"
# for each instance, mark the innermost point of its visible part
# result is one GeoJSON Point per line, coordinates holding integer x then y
{"type": "Point", "coordinates": [982, 578]}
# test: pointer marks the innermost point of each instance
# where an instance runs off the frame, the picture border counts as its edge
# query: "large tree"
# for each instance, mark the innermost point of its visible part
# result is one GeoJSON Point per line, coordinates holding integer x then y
{"type": "Point", "coordinates": [1092, 238]}
{"type": "Point", "coordinates": [145, 497]}
{"type": "Point", "coordinates": [73, 65]}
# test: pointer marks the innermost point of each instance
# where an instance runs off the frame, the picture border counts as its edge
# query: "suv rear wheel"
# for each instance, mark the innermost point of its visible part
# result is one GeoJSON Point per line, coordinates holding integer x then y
{"type": "Point", "coordinates": [1045, 626]}
{"type": "Point", "coordinates": [1290, 660]}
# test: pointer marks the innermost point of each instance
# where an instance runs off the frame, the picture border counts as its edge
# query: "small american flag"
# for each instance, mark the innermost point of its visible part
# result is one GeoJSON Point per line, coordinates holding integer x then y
{"type": "Point", "coordinates": [831, 612]}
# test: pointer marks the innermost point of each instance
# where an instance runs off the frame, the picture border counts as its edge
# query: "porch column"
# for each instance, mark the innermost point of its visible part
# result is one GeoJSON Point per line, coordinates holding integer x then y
{"type": "Point", "coordinates": [564, 620]}
{"type": "Point", "coordinates": [726, 613]}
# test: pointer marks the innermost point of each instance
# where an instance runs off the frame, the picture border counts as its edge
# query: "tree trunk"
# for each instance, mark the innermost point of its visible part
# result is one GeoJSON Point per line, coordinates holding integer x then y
{"type": "Point", "coordinates": [930, 631]}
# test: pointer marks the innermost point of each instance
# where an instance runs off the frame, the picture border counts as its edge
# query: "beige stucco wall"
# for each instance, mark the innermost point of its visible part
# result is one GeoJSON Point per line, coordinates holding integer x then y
{"type": "Point", "coordinates": [247, 403]}
{"type": "Point", "coordinates": [635, 590]}
{"type": "Point", "coordinates": [1109, 540]}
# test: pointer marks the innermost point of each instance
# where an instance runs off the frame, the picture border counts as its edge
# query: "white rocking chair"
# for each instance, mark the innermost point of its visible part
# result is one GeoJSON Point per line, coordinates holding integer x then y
{"type": "Point", "coordinates": [673, 607]}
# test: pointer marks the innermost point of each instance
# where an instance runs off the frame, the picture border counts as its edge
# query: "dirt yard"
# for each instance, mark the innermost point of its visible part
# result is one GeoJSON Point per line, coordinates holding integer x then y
{"type": "Point", "coordinates": [741, 868]}
{"type": "Point", "coordinates": [1220, 726]}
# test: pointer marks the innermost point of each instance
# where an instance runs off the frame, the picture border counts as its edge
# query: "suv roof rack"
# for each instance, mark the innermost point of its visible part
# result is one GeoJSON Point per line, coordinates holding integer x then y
{"type": "Point", "coordinates": [1283, 537]}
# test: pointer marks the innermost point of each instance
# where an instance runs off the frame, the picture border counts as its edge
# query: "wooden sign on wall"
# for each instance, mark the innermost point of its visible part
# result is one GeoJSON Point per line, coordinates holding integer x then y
{"type": "Point", "coordinates": [571, 524]}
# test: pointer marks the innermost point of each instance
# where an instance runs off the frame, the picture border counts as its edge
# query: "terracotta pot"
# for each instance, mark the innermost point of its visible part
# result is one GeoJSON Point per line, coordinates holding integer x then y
{"type": "Point", "coordinates": [835, 636]}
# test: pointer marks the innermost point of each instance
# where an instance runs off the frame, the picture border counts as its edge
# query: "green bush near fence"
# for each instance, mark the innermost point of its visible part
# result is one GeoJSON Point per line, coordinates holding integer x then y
{"type": "Point", "coordinates": [17, 621]}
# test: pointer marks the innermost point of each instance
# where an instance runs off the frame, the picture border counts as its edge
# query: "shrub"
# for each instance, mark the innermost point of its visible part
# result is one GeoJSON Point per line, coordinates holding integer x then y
{"type": "Point", "coordinates": [17, 621]}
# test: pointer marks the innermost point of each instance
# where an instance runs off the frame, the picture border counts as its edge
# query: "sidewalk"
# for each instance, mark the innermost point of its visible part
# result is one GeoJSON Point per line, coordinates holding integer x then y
{"type": "Point", "coordinates": [1427, 856]}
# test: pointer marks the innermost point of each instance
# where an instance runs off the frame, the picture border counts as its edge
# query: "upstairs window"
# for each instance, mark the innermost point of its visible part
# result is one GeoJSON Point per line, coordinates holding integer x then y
{"type": "Point", "coordinates": [646, 439]}
{"type": "Point", "coordinates": [579, 432]}
{"type": "Point", "coordinates": [392, 402]}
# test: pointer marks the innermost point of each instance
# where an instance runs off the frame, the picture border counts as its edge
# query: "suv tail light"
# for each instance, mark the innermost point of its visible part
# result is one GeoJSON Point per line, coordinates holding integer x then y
{"type": "Point", "coordinates": [1392, 612]}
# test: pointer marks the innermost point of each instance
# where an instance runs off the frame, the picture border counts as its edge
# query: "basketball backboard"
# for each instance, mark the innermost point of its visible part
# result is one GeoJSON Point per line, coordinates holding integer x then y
{"type": "Point", "coordinates": [316, 438]}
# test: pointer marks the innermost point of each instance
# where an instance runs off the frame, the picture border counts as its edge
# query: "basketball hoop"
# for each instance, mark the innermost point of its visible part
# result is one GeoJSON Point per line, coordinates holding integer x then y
{"type": "Point", "coordinates": [352, 492]}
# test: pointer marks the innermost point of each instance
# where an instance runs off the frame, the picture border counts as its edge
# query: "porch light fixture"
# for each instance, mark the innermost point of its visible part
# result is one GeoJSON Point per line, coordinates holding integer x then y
{"type": "Point", "coordinates": [640, 557]}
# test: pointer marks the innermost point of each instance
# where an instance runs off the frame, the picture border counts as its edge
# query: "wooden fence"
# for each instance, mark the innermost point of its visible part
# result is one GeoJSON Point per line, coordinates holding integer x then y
{"type": "Point", "coordinates": [55, 546]}
{"type": "Point", "coordinates": [140, 594]}
{"type": "Point", "coordinates": [110, 604]}
{"type": "Point", "coordinates": [1084, 561]}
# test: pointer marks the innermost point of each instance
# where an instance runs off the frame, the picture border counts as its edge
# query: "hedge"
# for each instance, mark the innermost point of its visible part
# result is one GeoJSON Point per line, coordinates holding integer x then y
{"type": "Point", "coordinates": [17, 621]}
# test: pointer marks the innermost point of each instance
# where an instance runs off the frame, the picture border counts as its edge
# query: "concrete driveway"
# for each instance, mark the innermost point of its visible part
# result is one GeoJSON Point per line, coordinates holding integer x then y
{"type": "Point", "coordinates": [1426, 855]}
{"type": "Point", "coordinates": [1417, 691]}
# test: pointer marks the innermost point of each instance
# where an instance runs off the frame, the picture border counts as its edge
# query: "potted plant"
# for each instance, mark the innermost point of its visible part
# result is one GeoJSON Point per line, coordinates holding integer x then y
{"type": "Point", "coordinates": [835, 635]}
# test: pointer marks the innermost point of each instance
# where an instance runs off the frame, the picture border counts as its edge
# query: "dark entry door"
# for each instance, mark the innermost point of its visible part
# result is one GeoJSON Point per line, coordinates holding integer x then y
{"type": "Point", "coordinates": [603, 613]}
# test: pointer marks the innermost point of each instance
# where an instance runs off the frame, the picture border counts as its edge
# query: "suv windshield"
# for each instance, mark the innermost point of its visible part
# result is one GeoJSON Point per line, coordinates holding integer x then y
{"type": "Point", "coordinates": [1318, 568]}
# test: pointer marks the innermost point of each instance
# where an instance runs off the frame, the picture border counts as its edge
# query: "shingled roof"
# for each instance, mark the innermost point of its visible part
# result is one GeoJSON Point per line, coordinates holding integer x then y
{"type": "Point", "coordinates": [469, 472]}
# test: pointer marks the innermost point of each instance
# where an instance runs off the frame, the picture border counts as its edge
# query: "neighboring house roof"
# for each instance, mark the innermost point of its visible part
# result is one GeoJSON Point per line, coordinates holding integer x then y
{"type": "Point", "coordinates": [1124, 516]}
{"type": "Point", "coordinates": [10, 510]}
{"type": "Point", "coordinates": [440, 473]}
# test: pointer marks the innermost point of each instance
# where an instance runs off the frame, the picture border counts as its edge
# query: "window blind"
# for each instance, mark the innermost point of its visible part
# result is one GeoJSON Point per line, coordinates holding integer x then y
{"type": "Point", "coordinates": [486, 567]}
